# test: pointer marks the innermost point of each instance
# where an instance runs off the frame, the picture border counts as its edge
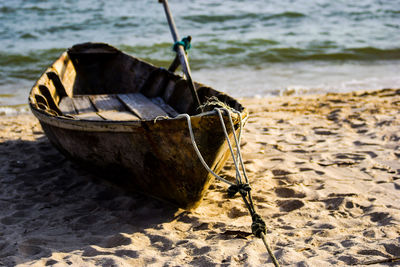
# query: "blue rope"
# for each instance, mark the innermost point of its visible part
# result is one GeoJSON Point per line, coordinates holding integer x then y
{"type": "Point", "coordinates": [185, 43]}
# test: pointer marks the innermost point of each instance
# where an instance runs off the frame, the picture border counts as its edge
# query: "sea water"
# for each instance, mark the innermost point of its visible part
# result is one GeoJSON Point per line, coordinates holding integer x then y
{"type": "Point", "coordinates": [244, 48]}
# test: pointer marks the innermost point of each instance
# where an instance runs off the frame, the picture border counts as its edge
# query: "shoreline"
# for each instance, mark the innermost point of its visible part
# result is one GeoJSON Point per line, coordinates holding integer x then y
{"type": "Point", "coordinates": [324, 170]}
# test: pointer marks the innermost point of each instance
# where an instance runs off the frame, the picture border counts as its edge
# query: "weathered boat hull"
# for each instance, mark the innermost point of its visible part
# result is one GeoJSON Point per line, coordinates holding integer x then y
{"type": "Point", "coordinates": [152, 157]}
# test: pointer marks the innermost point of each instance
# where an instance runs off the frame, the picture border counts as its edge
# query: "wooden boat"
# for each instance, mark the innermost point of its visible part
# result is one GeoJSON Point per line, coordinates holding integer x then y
{"type": "Point", "coordinates": [111, 111]}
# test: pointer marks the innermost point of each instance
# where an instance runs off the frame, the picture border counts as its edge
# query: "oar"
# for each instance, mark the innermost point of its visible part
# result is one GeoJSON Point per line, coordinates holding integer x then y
{"type": "Point", "coordinates": [181, 53]}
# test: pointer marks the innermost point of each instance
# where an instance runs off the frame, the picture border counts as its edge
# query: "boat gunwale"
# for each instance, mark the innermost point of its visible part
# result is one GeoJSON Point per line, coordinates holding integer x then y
{"type": "Point", "coordinates": [119, 126]}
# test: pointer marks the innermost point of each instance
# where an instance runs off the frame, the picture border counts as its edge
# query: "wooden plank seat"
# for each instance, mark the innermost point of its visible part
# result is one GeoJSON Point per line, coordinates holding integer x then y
{"type": "Point", "coordinates": [116, 107]}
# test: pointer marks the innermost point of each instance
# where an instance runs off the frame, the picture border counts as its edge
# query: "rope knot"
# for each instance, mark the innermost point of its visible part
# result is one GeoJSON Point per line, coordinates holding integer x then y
{"type": "Point", "coordinates": [243, 189]}
{"type": "Point", "coordinates": [258, 226]}
{"type": "Point", "coordinates": [185, 43]}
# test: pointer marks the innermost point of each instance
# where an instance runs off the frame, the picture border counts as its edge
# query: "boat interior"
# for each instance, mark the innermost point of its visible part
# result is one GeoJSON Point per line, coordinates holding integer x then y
{"type": "Point", "coordinates": [98, 82]}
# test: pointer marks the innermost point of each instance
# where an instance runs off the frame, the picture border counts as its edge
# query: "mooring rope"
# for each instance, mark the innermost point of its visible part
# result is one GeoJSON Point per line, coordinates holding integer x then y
{"type": "Point", "coordinates": [198, 151]}
{"type": "Point", "coordinates": [185, 43]}
{"type": "Point", "coordinates": [258, 226]}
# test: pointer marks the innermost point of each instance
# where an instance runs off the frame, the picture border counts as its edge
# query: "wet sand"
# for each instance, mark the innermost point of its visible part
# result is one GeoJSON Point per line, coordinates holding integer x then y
{"type": "Point", "coordinates": [325, 174]}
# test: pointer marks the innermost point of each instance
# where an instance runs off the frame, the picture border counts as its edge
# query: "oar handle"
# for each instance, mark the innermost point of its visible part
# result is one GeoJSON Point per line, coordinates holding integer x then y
{"type": "Point", "coordinates": [171, 22]}
{"type": "Point", "coordinates": [181, 52]}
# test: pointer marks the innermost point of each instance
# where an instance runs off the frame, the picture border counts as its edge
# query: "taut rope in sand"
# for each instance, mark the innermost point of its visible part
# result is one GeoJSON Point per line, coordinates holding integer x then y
{"type": "Point", "coordinates": [258, 226]}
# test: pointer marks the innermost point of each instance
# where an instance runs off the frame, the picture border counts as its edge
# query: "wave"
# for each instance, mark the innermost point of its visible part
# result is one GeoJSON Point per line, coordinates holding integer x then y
{"type": "Point", "coordinates": [204, 54]}
{"type": "Point", "coordinates": [204, 19]}
{"type": "Point", "coordinates": [297, 54]}
{"type": "Point", "coordinates": [260, 52]}
{"type": "Point", "coordinates": [26, 66]}
{"type": "Point", "coordinates": [288, 14]}
{"type": "Point", "coordinates": [6, 10]}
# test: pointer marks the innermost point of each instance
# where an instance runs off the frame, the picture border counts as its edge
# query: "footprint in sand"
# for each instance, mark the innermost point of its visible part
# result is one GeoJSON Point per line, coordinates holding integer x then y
{"type": "Point", "coordinates": [362, 131]}
{"type": "Point", "coordinates": [384, 168]}
{"type": "Point", "coordinates": [392, 249]}
{"type": "Point", "coordinates": [370, 233]}
{"type": "Point", "coordinates": [382, 218]}
{"type": "Point", "coordinates": [350, 260]}
{"type": "Point", "coordinates": [161, 242]}
{"type": "Point", "coordinates": [356, 125]}
{"type": "Point", "coordinates": [279, 172]}
{"type": "Point", "coordinates": [359, 143]}
{"type": "Point", "coordinates": [333, 203]}
{"type": "Point", "coordinates": [290, 205]}
{"type": "Point", "coordinates": [117, 240]}
{"type": "Point", "coordinates": [371, 252]}
{"type": "Point", "coordinates": [235, 213]}
{"type": "Point", "coordinates": [282, 160]}
{"type": "Point", "coordinates": [334, 115]}
{"type": "Point", "coordinates": [50, 262]}
{"type": "Point", "coordinates": [324, 132]}
{"type": "Point", "coordinates": [285, 192]}
{"type": "Point", "coordinates": [92, 252]}
{"type": "Point", "coordinates": [351, 156]}
{"type": "Point", "coordinates": [302, 151]}
{"type": "Point", "coordinates": [127, 253]}
{"type": "Point", "coordinates": [370, 153]}
{"type": "Point", "coordinates": [396, 186]}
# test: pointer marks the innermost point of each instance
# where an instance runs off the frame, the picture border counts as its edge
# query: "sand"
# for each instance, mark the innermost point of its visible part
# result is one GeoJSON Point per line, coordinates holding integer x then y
{"type": "Point", "coordinates": [325, 174]}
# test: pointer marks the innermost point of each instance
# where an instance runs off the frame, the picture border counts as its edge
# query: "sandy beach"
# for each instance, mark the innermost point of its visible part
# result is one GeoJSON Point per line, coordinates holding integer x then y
{"type": "Point", "coordinates": [325, 174]}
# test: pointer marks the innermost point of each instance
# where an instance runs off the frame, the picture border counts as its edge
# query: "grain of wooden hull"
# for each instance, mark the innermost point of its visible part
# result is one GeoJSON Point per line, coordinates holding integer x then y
{"type": "Point", "coordinates": [152, 157]}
